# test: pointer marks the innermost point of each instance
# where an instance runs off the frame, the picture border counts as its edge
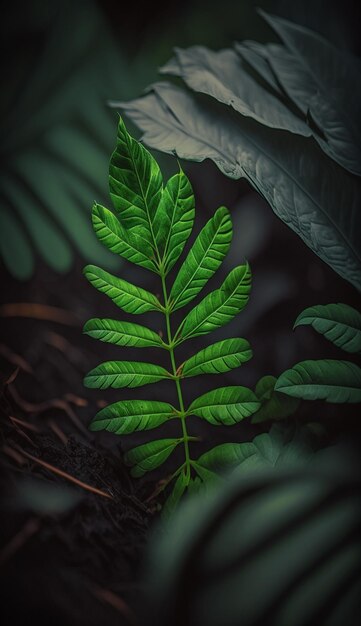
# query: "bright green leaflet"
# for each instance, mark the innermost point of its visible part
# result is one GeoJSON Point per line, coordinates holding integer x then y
{"type": "Point", "coordinates": [150, 227]}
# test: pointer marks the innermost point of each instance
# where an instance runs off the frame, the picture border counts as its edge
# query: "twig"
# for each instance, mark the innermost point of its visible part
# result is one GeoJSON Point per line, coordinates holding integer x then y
{"type": "Point", "coordinates": [39, 311]}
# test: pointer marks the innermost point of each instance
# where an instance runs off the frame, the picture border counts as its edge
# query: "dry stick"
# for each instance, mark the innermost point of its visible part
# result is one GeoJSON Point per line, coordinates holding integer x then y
{"type": "Point", "coordinates": [39, 311]}
{"type": "Point", "coordinates": [63, 474]}
{"type": "Point", "coordinates": [28, 530]}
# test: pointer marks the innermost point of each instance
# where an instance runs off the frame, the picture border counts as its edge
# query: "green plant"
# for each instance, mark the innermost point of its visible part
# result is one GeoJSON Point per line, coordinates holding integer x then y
{"type": "Point", "coordinates": [283, 116]}
{"type": "Point", "coordinates": [327, 379]}
{"type": "Point", "coordinates": [150, 227]}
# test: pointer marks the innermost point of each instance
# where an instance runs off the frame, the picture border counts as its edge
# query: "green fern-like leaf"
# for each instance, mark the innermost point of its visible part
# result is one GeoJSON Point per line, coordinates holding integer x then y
{"type": "Point", "coordinates": [149, 226]}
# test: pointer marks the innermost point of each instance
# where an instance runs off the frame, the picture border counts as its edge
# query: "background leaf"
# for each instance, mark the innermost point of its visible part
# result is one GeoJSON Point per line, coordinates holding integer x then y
{"type": "Point", "coordinates": [330, 380]}
{"type": "Point", "coordinates": [274, 405]}
{"type": "Point", "coordinates": [175, 495]}
{"type": "Point", "coordinates": [203, 259]}
{"type": "Point", "coordinates": [340, 323]}
{"type": "Point", "coordinates": [122, 333]}
{"type": "Point", "coordinates": [218, 358]}
{"type": "Point", "coordinates": [118, 374]}
{"type": "Point", "coordinates": [226, 405]}
{"type": "Point", "coordinates": [128, 416]}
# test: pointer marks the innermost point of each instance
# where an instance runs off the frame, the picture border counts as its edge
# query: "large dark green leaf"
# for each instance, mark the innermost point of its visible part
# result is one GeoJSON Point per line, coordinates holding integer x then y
{"type": "Point", "coordinates": [218, 358]}
{"type": "Point", "coordinates": [122, 333]}
{"type": "Point", "coordinates": [128, 297]}
{"type": "Point", "coordinates": [149, 456]}
{"type": "Point", "coordinates": [220, 306]}
{"type": "Point", "coordinates": [118, 374]}
{"type": "Point", "coordinates": [328, 379]}
{"type": "Point", "coordinates": [339, 323]}
{"type": "Point", "coordinates": [325, 83]}
{"type": "Point", "coordinates": [314, 196]}
{"type": "Point", "coordinates": [128, 416]}
{"type": "Point", "coordinates": [221, 75]}
{"type": "Point", "coordinates": [135, 182]}
{"type": "Point", "coordinates": [226, 405]}
{"type": "Point", "coordinates": [129, 245]}
{"type": "Point", "coordinates": [203, 259]}
{"type": "Point", "coordinates": [174, 219]}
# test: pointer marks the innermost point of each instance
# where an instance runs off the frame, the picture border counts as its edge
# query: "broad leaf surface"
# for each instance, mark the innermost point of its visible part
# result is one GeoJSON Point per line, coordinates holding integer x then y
{"type": "Point", "coordinates": [339, 323]}
{"type": "Point", "coordinates": [128, 297]}
{"type": "Point", "coordinates": [220, 306]}
{"type": "Point", "coordinates": [174, 219]}
{"type": "Point", "coordinates": [218, 358]}
{"type": "Point", "coordinates": [118, 374]}
{"type": "Point", "coordinates": [129, 245]}
{"type": "Point", "coordinates": [135, 182]}
{"type": "Point", "coordinates": [256, 56]}
{"type": "Point", "coordinates": [326, 84]}
{"type": "Point", "coordinates": [226, 405]}
{"type": "Point", "coordinates": [284, 168]}
{"type": "Point", "coordinates": [149, 456]}
{"type": "Point", "coordinates": [203, 259]}
{"type": "Point", "coordinates": [274, 405]}
{"type": "Point", "coordinates": [330, 380]}
{"type": "Point", "coordinates": [221, 76]}
{"type": "Point", "coordinates": [128, 416]}
{"type": "Point", "coordinates": [122, 333]}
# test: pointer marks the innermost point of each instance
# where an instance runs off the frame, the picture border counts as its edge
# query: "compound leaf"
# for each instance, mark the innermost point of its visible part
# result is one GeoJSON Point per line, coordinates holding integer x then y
{"type": "Point", "coordinates": [226, 405]}
{"type": "Point", "coordinates": [135, 182]}
{"type": "Point", "coordinates": [328, 379]}
{"type": "Point", "coordinates": [274, 405]}
{"type": "Point", "coordinates": [148, 456]}
{"type": "Point", "coordinates": [126, 296]}
{"type": "Point", "coordinates": [218, 358]}
{"type": "Point", "coordinates": [220, 306]}
{"type": "Point", "coordinates": [122, 333]}
{"type": "Point", "coordinates": [203, 259]}
{"type": "Point", "coordinates": [111, 233]}
{"type": "Point", "coordinates": [174, 219]}
{"type": "Point", "coordinates": [118, 374]}
{"type": "Point", "coordinates": [128, 416]}
{"type": "Point", "coordinates": [339, 323]}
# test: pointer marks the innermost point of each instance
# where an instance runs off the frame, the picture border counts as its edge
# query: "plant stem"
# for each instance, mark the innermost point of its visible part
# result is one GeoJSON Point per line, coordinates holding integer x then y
{"type": "Point", "coordinates": [177, 381]}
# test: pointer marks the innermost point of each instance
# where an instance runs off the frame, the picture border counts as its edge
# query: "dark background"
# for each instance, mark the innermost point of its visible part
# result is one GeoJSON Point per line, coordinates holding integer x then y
{"type": "Point", "coordinates": [81, 565]}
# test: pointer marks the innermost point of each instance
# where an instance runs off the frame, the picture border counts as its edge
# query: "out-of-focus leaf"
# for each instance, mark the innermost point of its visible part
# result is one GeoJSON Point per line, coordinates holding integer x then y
{"type": "Point", "coordinates": [325, 84]}
{"type": "Point", "coordinates": [340, 323]}
{"type": "Point", "coordinates": [328, 379]}
{"type": "Point", "coordinates": [175, 495]}
{"type": "Point", "coordinates": [56, 135]}
{"type": "Point", "coordinates": [274, 405]}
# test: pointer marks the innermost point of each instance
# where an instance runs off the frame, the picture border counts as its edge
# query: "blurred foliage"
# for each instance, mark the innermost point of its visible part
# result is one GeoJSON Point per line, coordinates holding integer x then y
{"type": "Point", "coordinates": [277, 546]}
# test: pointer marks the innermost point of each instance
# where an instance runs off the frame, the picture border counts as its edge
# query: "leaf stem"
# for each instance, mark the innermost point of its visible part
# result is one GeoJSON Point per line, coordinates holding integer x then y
{"type": "Point", "coordinates": [185, 437]}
